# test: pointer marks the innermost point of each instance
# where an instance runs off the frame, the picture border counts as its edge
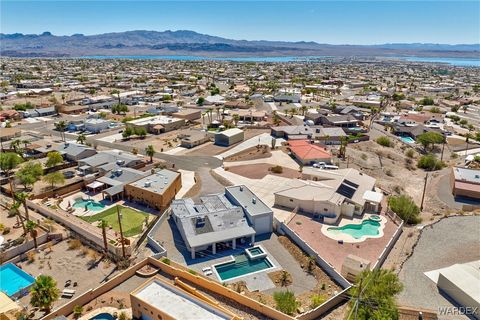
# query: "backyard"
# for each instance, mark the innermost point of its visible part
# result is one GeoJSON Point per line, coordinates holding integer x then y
{"type": "Point", "coordinates": [132, 220]}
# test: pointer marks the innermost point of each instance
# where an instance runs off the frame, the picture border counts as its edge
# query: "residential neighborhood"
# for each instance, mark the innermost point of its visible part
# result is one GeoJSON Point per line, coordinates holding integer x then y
{"type": "Point", "coordinates": [222, 189]}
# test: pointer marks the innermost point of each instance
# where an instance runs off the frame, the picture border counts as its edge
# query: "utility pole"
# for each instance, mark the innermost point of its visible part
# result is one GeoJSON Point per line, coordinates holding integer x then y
{"type": "Point", "coordinates": [424, 189]}
{"type": "Point", "coordinates": [443, 148]}
{"type": "Point", "coordinates": [121, 232]}
{"type": "Point", "coordinates": [358, 298]}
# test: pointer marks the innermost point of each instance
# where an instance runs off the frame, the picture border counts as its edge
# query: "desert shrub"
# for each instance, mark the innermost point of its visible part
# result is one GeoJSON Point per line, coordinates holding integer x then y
{"type": "Point", "coordinates": [410, 153]}
{"type": "Point", "coordinates": [364, 156]}
{"type": "Point", "coordinates": [74, 244]}
{"type": "Point", "coordinates": [316, 300]}
{"type": "Point", "coordinates": [6, 230]}
{"type": "Point", "coordinates": [406, 208]}
{"type": "Point", "coordinates": [276, 169]}
{"type": "Point", "coordinates": [18, 241]}
{"type": "Point", "coordinates": [31, 256]}
{"type": "Point", "coordinates": [430, 162]}
{"type": "Point", "coordinates": [77, 311]}
{"type": "Point", "coordinates": [384, 141]}
{"type": "Point", "coordinates": [286, 302]}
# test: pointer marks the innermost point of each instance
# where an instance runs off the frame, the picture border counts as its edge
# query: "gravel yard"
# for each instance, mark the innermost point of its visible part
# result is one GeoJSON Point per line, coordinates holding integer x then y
{"type": "Point", "coordinates": [439, 246]}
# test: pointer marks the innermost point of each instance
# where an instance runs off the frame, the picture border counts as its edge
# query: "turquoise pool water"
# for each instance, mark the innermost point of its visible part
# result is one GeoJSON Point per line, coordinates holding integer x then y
{"type": "Point", "coordinates": [407, 139]}
{"type": "Point", "coordinates": [241, 266]}
{"type": "Point", "coordinates": [366, 228]}
{"type": "Point", "coordinates": [255, 251]}
{"type": "Point", "coordinates": [14, 279]}
{"type": "Point", "coordinates": [90, 204]}
{"type": "Point", "coordinates": [103, 316]}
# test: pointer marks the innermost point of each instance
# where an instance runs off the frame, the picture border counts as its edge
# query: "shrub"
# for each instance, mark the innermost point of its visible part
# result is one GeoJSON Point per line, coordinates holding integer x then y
{"type": "Point", "coordinates": [276, 169]}
{"type": "Point", "coordinates": [384, 141]}
{"type": "Point", "coordinates": [286, 302]}
{"type": "Point", "coordinates": [122, 316]}
{"type": "Point", "coordinates": [410, 153]}
{"type": "Point", "coordinates": [430, 162]}
{"type": "Point", "coordinates": [364, 156]}
{"type": "Point", "coordinates": [166, 261]}
{"type": "Point", "coordinates": [6, 230]}
{"type": "Point", "coordinates": [406, 209]}
{"type": "Point", "coordinates": [77, 311]}
{"type": "Point", "coordinates": [316, 300]}
{"type": "Point", "coordinates": [74, 244]}
{"type": "Point", "coordinates": [31, 256]}
{"type": "Point", "coordinates": [18, 241]}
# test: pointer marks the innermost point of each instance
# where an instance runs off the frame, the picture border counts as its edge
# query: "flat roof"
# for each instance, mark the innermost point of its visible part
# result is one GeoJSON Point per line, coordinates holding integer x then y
{"type": "Point", "coordinates": [157, 182]}
{"type": "Point", "coordinates": [176, 303]}
{"type": "Point", "coordinates": [467, 175]}
{"type": "Point", "coordinates": [160, 119]}
{"type": "Point", "coordinates": [248, 200]}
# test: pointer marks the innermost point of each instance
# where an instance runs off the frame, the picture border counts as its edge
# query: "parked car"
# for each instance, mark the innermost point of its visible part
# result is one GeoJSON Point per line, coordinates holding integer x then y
{"type": "Point", "coordinates": [68, 174]}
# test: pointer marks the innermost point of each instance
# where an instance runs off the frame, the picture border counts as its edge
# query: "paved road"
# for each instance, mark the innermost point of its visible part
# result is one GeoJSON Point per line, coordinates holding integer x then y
{"type": "Point", "coordinates": [186, 162]}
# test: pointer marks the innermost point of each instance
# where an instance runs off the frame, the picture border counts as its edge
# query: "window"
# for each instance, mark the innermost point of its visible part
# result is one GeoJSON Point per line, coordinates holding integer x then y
{"type": "Point", "coordinates": [325, 209]}
{"type": "Point", "coordinates": [291, 200]}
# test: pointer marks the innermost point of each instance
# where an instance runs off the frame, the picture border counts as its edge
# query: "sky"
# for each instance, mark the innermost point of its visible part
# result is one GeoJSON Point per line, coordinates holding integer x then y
{"type": "Point", "coordinates": [334, 22]}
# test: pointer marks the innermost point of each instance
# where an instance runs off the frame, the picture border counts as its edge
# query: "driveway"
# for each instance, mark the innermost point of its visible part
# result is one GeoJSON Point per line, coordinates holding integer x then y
{"type": "Point", "coordinates": [450, 241]}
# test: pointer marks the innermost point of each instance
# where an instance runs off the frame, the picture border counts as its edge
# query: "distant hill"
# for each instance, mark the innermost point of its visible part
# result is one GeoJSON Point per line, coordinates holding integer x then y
{"type": "Point", "coordinates": [184, 42]}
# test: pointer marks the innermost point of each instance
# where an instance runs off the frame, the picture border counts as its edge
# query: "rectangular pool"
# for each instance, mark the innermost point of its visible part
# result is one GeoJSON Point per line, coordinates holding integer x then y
{"type": "Point", "coordinates": [14, 279]}
{"type": "Point", "coordinates": [241, 266]}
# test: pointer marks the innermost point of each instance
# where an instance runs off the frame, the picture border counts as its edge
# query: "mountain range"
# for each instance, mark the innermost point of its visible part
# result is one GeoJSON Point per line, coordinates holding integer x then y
{"type": "Point", "coordinates": [184, 42]}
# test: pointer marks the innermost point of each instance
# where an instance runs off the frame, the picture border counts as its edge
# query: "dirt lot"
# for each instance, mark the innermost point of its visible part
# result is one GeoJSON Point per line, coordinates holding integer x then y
{"type": "Point", "coordinates": [250, 154]}
{"type": "Point", "coordinates": [258, 171]}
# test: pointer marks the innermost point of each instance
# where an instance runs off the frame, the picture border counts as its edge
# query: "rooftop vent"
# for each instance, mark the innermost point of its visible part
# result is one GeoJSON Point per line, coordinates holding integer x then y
{"type": "Point", "coordinates": [147, 184]}
{"type": "Point", "coordinates": [241, 188]}
{"type": "Point", "coordinates": [254, 200]}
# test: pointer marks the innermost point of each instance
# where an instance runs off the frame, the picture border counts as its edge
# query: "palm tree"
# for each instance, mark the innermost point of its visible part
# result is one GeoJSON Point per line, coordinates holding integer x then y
{"type": "Point", "coordinates": [304, 109]}
{"type": "Point", "coordinates": [61, 126]}
{"type": "Point", "coordinates": [22, 198]}
{"type": "Point", "coordinates": [104, 225]}
{"type": "Point", "coordinates": [235, 118]}
{"type": "Point", "coordinates": [44, 293]}
{"type": "Point", "coordinates": [115, 91]}
{"type": "Point", "coordinates": [150, 151]}
{"type": "Point", "coordinates": [8, 162]}
{"type": "Point", "coordinates": [81, 138]}
{"type": "Point", "coordinates": [15, 144]}
{"type": "Point", "coordinates": [31, 227]}
{"type": "Point", "coordinates": [284, 278]}
{"type": "Point", "coordinates": [14, 209]}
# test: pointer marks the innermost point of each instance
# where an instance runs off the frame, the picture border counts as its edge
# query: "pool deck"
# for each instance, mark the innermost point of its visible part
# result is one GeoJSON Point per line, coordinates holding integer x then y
{"type": "Point", "coordinates": [333, 252]}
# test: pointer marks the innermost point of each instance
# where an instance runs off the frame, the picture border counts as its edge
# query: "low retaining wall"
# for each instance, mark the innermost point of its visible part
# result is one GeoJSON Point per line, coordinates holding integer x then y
{"type": "Point", "coordinates": [389, 246]}
{"type": "Point", "coordinates": [327, 267]}
{"type": "Point", "coordinates": [329, 270]}
{"type": "Point", "coordinates": [160, 250]}
{"type": "Point", "coordinates": [24, 247]}
{"type": "Point", "coordinates": [68, 188]}
{"type": "Point", "coordinates": [87, 232]}
{"type": "Point", "coordinates": [173, 271]}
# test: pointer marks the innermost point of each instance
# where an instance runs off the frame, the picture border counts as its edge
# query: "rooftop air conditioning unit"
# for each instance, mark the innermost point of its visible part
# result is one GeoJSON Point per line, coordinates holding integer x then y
{"type": "Point", "coordinates": [147, 184]}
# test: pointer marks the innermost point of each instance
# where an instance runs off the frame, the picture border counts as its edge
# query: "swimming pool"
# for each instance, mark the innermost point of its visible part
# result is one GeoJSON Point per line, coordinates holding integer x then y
{"type": "Point", "coordinates": [407, 139]}
{"type": "Point", "coordinates": [89, 204]}
{"type": "Point", "coordinates": [103, 316]}
{"type": "Point", "coordinates": [240, 266]}
{"type": "Point", "coordinates": [14, 279]}
{"type": "Point", "coordinates": [357, 231]}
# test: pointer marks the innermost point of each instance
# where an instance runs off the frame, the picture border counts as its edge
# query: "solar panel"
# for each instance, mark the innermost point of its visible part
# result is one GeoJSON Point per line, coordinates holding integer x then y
{"type": "Point", "coordinates": [346, 190]}
{"type": "Point", "coordinates": [350, 183]}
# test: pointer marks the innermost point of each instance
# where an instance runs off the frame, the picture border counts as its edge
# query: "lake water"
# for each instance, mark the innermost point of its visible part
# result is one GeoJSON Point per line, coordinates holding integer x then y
{"type": "Point", "coordinates": [200, 58]}
{"type": "Point", "coordinates": [460, 62]}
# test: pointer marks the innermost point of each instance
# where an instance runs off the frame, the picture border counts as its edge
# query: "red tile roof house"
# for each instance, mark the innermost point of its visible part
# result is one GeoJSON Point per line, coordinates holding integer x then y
{"type": "Point", "coordinates": [308, 153]}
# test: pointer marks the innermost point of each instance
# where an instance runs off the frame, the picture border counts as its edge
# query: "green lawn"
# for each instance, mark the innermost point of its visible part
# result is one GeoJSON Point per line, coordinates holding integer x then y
{"type": "Point", "coordinates": [132, 220]}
